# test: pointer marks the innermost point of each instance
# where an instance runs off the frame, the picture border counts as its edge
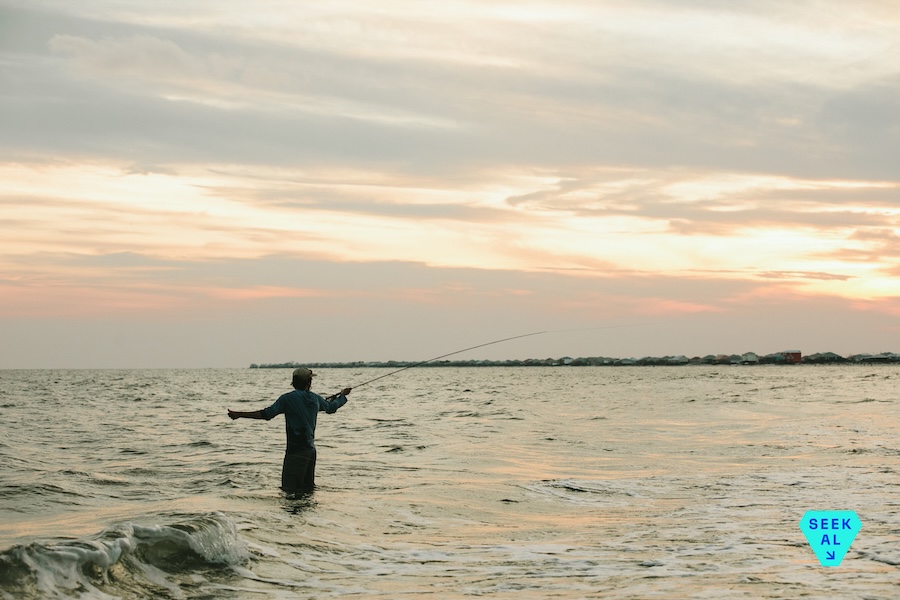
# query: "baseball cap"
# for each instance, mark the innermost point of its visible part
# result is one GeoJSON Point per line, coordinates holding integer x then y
{"type": "Point", "coordinates": [303, 373]}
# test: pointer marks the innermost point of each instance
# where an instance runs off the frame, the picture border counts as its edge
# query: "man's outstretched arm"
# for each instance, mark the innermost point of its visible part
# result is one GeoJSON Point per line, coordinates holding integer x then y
{"type": "Point", "coordinates": [238, 414]}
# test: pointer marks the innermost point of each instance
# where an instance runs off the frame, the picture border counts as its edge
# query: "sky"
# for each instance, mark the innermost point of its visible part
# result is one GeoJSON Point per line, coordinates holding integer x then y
{"type": "Point", "coordinates": [217, 183]}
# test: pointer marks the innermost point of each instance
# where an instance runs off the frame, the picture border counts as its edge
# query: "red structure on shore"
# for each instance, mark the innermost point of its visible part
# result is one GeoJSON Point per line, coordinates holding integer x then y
{"type": "Point", "coordinates": [792, 357]}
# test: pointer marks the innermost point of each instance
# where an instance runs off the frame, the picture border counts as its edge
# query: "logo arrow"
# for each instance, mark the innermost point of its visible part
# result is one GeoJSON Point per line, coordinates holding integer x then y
{"type": "Point", "coordinates": [829, 556]}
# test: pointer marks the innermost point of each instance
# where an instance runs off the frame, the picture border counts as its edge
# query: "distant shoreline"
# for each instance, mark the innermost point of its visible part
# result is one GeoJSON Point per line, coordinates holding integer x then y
{"type": "Point", "coordinates": [749, 358]}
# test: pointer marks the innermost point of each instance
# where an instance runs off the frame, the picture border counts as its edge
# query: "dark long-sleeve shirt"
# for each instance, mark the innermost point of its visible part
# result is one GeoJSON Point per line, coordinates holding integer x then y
{"type": "Point", "coordinates": [301, 409]}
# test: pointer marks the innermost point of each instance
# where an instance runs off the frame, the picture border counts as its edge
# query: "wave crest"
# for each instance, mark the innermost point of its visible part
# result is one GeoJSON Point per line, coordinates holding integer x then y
{"type": "Point", "coordinates": [125, 560]}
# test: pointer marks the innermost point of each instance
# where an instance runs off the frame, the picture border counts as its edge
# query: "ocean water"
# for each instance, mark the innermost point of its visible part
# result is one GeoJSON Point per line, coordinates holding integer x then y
{"type": "Point", "coordinates": [635, 482]}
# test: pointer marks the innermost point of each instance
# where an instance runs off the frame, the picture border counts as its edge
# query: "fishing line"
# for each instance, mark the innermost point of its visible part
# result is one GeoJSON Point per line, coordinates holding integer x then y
{"type": "Point", "coordinates": [515, 337]}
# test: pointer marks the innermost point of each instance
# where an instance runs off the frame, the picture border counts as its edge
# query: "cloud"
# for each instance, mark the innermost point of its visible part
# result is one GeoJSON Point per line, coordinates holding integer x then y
{"type": "Point", "coordinates": [130, 283]}
{"type": "Point", "coordinates": [592, 221]}
{"type": "Point", "coordinates": [802, 275]}
{"type": "Point", "coordinates": [381, 311]}
{"type": "Point", "coordinates": [598, 85]}
{"type": "Point", "coordinates": [139, 56]}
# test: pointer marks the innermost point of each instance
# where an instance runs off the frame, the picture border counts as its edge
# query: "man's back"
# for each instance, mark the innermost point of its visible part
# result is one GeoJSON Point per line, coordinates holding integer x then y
{"type": "Point", "coordinates": [301, 409]}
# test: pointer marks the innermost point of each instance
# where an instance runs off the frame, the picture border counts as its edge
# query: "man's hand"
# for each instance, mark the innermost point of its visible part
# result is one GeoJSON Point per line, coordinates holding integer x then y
{"type": "Point", "coordinates": [344, 392]}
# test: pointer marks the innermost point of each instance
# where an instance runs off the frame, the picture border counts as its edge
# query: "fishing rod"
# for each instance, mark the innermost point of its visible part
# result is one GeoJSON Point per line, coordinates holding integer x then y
{"type": "Point", "coordinates": [515, 337]}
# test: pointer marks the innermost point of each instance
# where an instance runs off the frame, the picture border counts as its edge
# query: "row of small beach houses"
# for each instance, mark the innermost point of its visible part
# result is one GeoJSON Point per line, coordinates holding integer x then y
{"type": "Point", "coordinates": [748, 358]}
{"type": "Point", "coordinates": [787, 357]}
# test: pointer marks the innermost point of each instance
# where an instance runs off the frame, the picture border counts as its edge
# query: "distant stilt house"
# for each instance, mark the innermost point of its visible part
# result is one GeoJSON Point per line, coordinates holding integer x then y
{"type": "Point", "coordinates": [884, 357]}
{"type": "Point", "coordinates": [749, 358]}
{"type": "Point", "coordinates": [792, 357]}
{"type": "Point", "coordinates": [824, 358]}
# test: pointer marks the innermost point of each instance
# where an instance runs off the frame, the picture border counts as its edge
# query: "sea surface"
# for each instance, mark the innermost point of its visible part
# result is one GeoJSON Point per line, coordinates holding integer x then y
{"type": "Point", "coordinates": [588, 482]}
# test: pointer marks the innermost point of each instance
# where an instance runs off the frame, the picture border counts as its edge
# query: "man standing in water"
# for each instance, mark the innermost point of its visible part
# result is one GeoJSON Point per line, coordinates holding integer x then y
{"type": "Point", "coordinates": [300, 408]}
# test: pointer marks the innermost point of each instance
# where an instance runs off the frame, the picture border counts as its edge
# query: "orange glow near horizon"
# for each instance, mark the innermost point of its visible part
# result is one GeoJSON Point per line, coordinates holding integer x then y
{"type": "Point", "coordinates": [208, 213]}
{"type": "Point", "coordinates": [159, 211]}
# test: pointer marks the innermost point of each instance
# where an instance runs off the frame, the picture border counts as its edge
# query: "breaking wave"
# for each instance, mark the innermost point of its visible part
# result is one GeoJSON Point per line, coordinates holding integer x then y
{"type": "Point", "coordinates": [186, 559]}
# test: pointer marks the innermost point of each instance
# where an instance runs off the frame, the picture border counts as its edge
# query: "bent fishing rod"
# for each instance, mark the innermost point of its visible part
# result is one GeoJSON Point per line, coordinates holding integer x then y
{"type": "Point", "coordinates": [515, 337]}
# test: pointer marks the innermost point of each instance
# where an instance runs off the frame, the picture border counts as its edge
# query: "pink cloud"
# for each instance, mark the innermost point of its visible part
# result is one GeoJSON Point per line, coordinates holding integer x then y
{"type": "Point", "coordinates": [56, 299]}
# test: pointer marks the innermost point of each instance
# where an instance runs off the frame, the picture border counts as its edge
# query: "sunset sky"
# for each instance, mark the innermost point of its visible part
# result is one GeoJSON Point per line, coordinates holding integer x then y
{"type": "Point", "coordinates": [216, 183]}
